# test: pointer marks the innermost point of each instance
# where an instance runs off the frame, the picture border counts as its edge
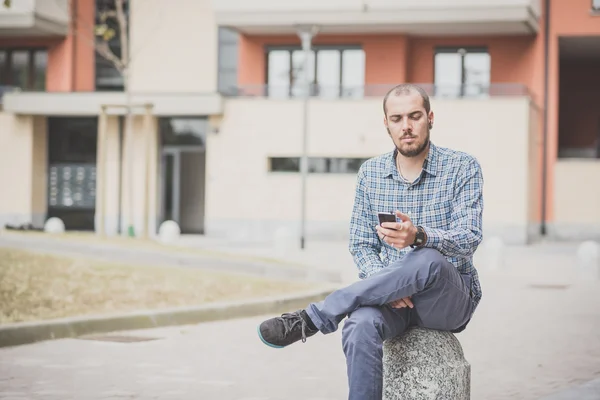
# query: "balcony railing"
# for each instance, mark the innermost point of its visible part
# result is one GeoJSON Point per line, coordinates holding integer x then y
{"type": "Point", "coordinates": [377, 90]}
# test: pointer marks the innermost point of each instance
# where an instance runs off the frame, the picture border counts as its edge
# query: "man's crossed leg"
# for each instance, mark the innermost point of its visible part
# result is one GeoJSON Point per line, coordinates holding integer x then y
{"type": "Point", "coordinates": [441, 298]}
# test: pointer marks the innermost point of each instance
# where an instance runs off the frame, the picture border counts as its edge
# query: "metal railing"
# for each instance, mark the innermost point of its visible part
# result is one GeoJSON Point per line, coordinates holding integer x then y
{"type": "Point", "coordinates": [376, 90]}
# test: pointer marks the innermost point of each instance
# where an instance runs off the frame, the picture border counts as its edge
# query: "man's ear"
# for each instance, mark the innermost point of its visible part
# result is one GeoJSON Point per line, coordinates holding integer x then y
{"type": "Point", "coordinates": [430, 118]}
{"type": "Point", "coordinates": [385, 122]}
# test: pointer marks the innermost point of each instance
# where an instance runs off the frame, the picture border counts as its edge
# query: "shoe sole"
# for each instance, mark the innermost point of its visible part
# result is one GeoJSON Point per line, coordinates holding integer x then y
{"type": "Point", "coordinates": [265, 342]}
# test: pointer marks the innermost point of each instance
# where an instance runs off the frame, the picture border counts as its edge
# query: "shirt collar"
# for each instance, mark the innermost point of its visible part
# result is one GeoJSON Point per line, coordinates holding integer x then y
{"type": "Point", "coordinates": [430, 165]}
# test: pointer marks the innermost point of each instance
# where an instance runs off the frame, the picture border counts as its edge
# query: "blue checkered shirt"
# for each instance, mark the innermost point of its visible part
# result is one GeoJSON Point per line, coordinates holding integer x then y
{"type": "Point", "coordinates": [446, 200]}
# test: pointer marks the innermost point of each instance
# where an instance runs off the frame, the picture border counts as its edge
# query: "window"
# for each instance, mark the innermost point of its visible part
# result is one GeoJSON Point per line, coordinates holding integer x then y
{"type": "Point", "coordinates": [23, 68]}
{"type": "Point", "coordinates": [183, 131]}
{"type": "Point", "coordinates": [318, 165]}
{"type": "Point", "coordinates": [333, 71]}
{"type": "Point", "coordinates": [228, 61]}
{"type": "Point", "coordinates": [596, 5]}
{"type": "Point", "coordinates": [108, 78]}
{"type": "Point", "coordinates": [461, 72]}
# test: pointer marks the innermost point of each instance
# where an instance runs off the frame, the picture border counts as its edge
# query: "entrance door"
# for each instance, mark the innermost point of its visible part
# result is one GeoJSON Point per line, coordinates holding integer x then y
{"type": "Point", "coordinates": [183, 183]}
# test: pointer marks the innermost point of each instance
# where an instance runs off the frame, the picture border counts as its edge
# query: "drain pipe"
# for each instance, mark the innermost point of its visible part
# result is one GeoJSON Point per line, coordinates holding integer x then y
{"type": "Point", "coordinates": [543, 227]}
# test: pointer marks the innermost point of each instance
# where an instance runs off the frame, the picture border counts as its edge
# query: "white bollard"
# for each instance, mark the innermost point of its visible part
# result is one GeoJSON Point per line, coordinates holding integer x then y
{"type": "Point", "coordinates": [54, 225]}
{"type": "Point", "coordinates": [493, 253]}
{"type": "Point", "coordinates": [588, 261]}
{"type": "Point", "coordinates": [169, 232]}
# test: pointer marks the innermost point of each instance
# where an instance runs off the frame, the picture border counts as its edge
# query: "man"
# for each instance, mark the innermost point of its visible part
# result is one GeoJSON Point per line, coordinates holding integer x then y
{"type": "Point", "coordinates": [414, 272]}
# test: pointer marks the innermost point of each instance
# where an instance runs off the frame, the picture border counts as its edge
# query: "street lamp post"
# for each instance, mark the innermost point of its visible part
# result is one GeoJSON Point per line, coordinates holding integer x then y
{"type": "Point", "coordinates": [306, 34]}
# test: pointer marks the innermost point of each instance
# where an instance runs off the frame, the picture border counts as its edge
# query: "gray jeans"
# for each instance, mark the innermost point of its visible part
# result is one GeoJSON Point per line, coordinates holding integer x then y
{"type": "Point", "coordinates": [441, 298]}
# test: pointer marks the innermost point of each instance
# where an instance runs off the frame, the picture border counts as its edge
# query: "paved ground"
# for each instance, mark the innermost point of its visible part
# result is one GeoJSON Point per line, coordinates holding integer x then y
{"type": "Point", "coordinates": [537, 331]}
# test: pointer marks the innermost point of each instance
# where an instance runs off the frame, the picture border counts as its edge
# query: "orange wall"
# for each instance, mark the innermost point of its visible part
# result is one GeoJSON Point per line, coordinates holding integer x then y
{"type": "Point", "coordinates": [392, 59]}
{"type": "Point", "coordinates": [71, 61]}
{"type": "Point", "coordinates": [511, 57]}
{"type": "Point", "coordinates": [385, 56]}
{"type": "Point", "coordinates": [386, 59]}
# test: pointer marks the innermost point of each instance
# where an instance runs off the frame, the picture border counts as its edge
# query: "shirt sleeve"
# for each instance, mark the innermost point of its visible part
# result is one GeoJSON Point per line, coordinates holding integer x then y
{"type": "Point", "coordinates": [364, 242]}
{"type": "Point", "coordinates": [465, 234]}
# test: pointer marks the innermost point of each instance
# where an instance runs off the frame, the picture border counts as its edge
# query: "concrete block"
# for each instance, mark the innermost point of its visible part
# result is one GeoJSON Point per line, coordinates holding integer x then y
{"type": "Point", "coordinates": [425, 364]}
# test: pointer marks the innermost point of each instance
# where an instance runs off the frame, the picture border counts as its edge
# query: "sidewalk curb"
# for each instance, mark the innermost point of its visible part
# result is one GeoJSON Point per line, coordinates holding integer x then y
{"type": "Point", "coordinates": [31, 332]}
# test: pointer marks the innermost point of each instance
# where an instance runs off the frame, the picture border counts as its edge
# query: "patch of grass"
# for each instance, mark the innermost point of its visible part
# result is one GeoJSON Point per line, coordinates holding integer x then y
{"type": "Point", "coordinates": [36, 287]}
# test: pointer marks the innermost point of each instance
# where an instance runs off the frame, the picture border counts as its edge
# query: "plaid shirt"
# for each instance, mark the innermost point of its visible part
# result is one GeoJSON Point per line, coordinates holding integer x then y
{"type": "Point", "coordinates": [446, 200]}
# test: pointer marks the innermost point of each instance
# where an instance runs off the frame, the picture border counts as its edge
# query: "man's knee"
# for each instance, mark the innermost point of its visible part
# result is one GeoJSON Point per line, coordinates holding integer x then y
{"type": "Point", "coordinates": [363, 324]}
{"type": "Point", "coordinates": [426, 261]}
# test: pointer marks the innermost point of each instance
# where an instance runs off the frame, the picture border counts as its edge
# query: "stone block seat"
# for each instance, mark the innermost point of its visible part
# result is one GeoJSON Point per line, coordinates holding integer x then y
{"type": "Point", "coordinates": [425, 364]}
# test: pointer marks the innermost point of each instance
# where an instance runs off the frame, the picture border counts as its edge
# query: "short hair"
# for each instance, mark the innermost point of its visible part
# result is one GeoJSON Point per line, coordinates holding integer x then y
{"type": "Point", "coordinates": [404, 89]}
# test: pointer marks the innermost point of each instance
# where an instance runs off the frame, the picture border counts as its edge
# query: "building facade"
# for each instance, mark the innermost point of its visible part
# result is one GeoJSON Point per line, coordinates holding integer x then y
{"type": "Point", "coordinates": [222, 112]}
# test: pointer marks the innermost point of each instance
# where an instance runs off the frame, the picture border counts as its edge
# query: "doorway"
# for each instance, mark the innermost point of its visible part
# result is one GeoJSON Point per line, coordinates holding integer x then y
{"type": "Point", "coordinates": [72, 146]}
{"type": "Point", "coordinates": [579, 100]}
{"type": "Point", "coordinates": [183, 188]}
{"type": "Point", "coordinates": [183, 172]}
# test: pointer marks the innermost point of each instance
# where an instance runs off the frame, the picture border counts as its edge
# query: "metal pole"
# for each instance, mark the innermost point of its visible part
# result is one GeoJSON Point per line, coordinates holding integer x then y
{"type": "Point", "coordinates": [129, 140]}
{"type": "Point", "coordinates": [543, 222]}
{"type": "Point", "coordinates": [306, 36]}
{"type": "Point", "coordinates": [101, 173]}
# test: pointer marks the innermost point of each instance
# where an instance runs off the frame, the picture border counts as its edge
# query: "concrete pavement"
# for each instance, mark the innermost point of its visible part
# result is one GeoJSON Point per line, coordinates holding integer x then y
{"type": "Point", "coordinates": [536, 332]}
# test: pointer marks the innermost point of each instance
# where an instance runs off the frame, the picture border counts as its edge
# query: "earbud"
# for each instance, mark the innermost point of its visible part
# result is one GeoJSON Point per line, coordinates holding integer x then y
{"type": "Point", "coordinates": [430, 124]}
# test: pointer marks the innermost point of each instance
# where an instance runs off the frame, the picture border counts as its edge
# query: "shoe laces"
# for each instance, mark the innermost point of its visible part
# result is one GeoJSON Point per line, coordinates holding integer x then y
{"type": "Point", "coordinates": [291, 320]}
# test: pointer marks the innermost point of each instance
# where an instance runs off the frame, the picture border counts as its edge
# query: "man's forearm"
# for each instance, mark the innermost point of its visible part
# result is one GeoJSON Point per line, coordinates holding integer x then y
{"type": "Point", "coordinates": [459, 242]}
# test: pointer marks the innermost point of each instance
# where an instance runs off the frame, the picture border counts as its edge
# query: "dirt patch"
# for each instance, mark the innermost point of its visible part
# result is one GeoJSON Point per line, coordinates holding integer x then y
{"type": "Point", "coordinates": [37, 287]}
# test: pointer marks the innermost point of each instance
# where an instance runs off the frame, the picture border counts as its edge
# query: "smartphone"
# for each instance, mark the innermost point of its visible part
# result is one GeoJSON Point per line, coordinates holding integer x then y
{"type": "Point", "coordinates": [386, 217]}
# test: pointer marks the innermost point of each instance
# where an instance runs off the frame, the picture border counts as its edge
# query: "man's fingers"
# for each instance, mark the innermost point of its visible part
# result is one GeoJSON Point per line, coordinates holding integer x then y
{"type": "Point", "coordinates": [399, 303]}
{"type": "Point", "coordinates": [392, 225]}
{"type": "Point", "coordinates": [402, 303]}
{"type": "Point", "coordinates": [390, 230]}
{"type": "Point", "coordinates": [402, 216]}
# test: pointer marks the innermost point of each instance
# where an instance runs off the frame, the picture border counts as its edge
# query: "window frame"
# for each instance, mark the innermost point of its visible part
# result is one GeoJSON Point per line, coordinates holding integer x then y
{"type": "Point", "coordinates": [329, 162]}
{"type": "Point", "coordinates": [457, 50]}
{"type": "Point", "coordinates": [315, 48]}
{"type": "Point", "coordinates": [6, 72]}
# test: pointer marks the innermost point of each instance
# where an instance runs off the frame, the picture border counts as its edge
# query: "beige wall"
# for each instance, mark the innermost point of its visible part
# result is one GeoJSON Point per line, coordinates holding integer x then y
{"type": "Point", "coordinates": [22, 169]}
{"type": "Point", "coordinates": [174, 46]}
{"type": "Point", "coordinates": [577, 200]}
{"type": "Point", "coordinates": [39, 171]}
{"type": "Point", "coordinates": [241, 192]}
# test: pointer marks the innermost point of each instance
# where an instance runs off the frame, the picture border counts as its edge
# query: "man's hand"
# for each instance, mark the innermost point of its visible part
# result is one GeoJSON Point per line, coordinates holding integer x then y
{"type": "Point", "coordinates": [401, 303]}
{"type": "Point", "coordinates": [398, 234]}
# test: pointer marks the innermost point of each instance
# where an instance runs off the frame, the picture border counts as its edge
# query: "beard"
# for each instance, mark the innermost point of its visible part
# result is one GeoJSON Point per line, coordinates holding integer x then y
{"type": "Point", "coordinates": [414, 149]}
